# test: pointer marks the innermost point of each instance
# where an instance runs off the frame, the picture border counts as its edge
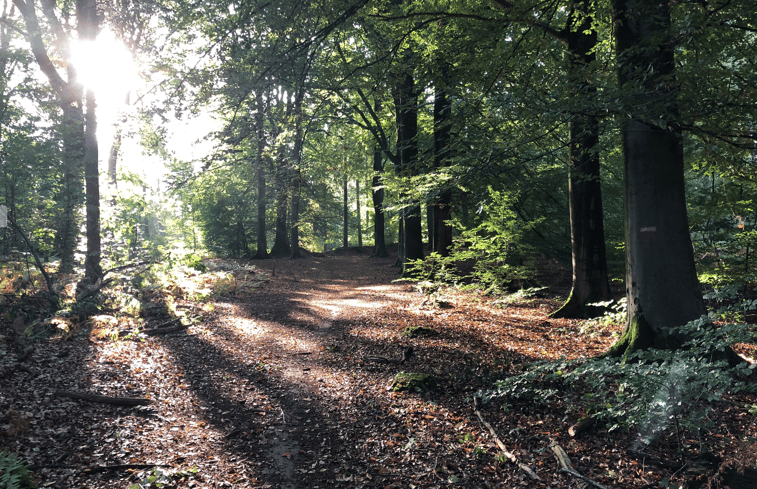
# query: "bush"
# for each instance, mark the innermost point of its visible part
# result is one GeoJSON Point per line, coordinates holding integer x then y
{"type": "Point", "coordinates": [491, 254]}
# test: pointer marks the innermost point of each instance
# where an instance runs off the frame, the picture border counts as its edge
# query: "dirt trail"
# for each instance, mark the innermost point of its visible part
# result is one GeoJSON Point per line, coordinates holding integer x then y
{"type": "Point", "coordinates": [286, 385]}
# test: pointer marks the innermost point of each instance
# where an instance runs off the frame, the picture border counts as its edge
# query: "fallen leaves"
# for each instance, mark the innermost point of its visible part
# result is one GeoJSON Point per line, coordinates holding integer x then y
{"type": "Point", "coordinates": [269, 387]}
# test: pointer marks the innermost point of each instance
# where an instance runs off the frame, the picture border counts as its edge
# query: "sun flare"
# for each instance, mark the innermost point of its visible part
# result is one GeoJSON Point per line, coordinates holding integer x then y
{"type": "Point", "coordinates": [106, 67]}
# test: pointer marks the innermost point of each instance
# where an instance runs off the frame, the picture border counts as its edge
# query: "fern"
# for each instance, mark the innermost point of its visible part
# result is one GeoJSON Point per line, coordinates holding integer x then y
{"type": "Point", "coordinates": [14, 474]}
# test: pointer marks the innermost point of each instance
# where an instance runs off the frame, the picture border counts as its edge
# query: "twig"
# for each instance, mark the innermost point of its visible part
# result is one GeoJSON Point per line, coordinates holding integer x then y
{"type": "Point", "coordinates": [118, 401]}
{"type": "Point", "coordinates": [93, 291]}
{"type": "Point", "coordinates": [105, 468]}
{"type": "Point", "coordinates": [128, 265]}
{"type": "Point", "coordinates": [525, 468]}
{"type": "Point", "coordinates": [567, 467]}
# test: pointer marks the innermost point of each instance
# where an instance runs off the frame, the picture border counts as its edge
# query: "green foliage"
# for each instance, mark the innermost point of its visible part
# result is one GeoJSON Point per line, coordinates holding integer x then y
{"type": "Point", "coordinates": [615, 313]}
{"type": "Point", "coordinates": [14, 474]}
{"type": "Point", "coordinates": [649, 391]}
{"type": "Point", "coordinates": [491, 254]}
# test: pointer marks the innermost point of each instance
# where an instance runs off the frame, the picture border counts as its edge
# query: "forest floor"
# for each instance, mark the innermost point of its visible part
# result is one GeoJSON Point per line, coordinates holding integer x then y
{"type": "Point", "coordinates": [283, 379]}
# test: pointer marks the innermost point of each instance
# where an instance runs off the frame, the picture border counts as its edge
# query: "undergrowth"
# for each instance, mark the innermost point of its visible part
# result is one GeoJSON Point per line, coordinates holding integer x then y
{"type": "Point", "coordinates": [652, 390]}
{"type": "Point", "coordinates": [14, 474]}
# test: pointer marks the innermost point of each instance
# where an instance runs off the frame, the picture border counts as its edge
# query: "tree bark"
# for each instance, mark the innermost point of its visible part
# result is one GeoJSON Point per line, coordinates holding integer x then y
{"type": "Point", "coordinates": [442, 213]}
{"type": "Point", "coordinates": [92, 268]}
{"type": "Point", "coordinates": [590, 281]}
{"type": "Point", "coordinates": [359, 220]}
{"type": "Point", "coordinates": [294, 229]}
{"type": "Point", "coordinates": [406, 107]}
{"type": "Point", "coordinates": [345, 214]}
{"type": "Point", "coordinates": [260, 177]}
{"type": "Point", "coordinates": [661, 282]}
{"type": "Point", "coordinates": [281, 246]}
{"type": "Point", "coordinates": [118, 401]}
{"type": "Point", "coordinates": [88, 27]}
{"type": "Point", "coordinates": [379, 236]}
{"type": "Point", "coordinates": [296, 183]}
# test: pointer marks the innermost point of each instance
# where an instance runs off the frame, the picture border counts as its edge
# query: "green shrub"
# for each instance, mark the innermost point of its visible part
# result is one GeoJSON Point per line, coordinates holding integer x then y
{"type": "Point", "coordinates": [651, 390]}
{"type": "Point", "coordinates": [491, 254]}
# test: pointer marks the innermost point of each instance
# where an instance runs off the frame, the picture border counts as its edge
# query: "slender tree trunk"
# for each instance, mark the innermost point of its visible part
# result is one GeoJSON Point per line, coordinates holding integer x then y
{"type": "Point", "coordinates": [590, 281]}
{"type": "Point", "coordinates": [71, 193]}
{"type": "Point", "coordinates": [345, 215]}
{"type": "Point", "coordinates": [294, 236]}
{"type": "Point", "coordinates": [379, 237]}
{"type": "Point", "coordinates": [115, 148]}
{"type": "Point", "coordinates": [92, 268]}
{"type": "Point", "coordinates": [359, 217]}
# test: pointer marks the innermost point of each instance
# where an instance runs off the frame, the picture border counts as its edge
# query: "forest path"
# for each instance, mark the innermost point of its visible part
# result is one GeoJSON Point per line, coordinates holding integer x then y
{"type": "Point", "coordinates": [283, 380]}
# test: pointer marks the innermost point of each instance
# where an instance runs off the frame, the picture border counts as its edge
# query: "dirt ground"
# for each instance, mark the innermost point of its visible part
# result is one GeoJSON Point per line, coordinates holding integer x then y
{"type": "Point", "coordinates": [286, 383]}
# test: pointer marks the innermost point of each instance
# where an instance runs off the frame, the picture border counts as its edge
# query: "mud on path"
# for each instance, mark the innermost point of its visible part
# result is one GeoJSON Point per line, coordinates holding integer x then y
{"type": "Point", "coordinates": [287, 385]}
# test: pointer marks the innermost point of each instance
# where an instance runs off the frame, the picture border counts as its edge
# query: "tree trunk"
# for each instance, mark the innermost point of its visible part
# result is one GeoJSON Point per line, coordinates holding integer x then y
{"type": "Point", "coordinates": [590, 281]}
{"type": "Point", "coordinates": [115, 148]}
{"type": "Point", "coordinates": [359, 217]}
{"type": "Point", "coordinates": [281, 246]}
{"type": "Point", "coordinates": [442, 213]}
{"type": "Point", "coordinates": [661, 281]}
{"type": "Point", "coordinates": [260, 177]}
{"type": "Point", "coordinates": [294, 230]}
{"type": "Point", "coordinates": [296, 183]}
{"type": "Point", "coordinates": [345, 215]}
{"type": "Point", "coordinates": [379, 237]}
{"type": "Point", "coordinates": [92, 269]}
{"type": "Point", "coordinates": [71, 193]}
{"type": "Point", "coordinates": [69, 93]}
{"type": "Point", "coordinates": [406, 107]}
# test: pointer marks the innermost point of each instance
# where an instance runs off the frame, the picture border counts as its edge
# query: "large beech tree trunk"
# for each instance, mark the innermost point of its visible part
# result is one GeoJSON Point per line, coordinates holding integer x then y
{"type": "Point", "coordinates": [661, 281]}
{"type": "Point", "coordinates": [281, 246]}
{"type": "Point", "coordinates": [441, 232]}
{"type": "Point", "coordinates": [260, 177]}
{"type": "Point", "coordinates": [406, 107]}
{"type": "Point", "coordinates": [590, 281]}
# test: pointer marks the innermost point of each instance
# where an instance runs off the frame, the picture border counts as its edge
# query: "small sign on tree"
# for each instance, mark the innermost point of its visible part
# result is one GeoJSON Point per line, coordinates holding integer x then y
{"type": "Point", "coordinates": [3, 216]}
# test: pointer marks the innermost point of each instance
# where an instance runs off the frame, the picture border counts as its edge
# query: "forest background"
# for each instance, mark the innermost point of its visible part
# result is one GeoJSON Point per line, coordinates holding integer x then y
{"type": "Point", "coordinates": [615, 136]}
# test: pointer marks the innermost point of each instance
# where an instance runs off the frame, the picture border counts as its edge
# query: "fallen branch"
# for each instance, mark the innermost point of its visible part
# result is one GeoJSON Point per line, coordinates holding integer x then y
{"type": "Point", "coordinates": [118, 401]}
{"type": "Point", "coordinates": [128, 265]}
{"type": "Point", "coordinates": [105, 468]}
{"type": "Point", "coordinates": [567, 467]}
{"type": "Point", "coordinates": [584, 425]}
{"type": "Point", "coordinates": [96, 469]}
{"type": "Point", "coordinates": [406, 353]}
{"type": "Point", "coordinates": [525, 468]}
{"type": "Point", "coordinates": [94, 290]}
{"type": "Point", "coordinates": [164, 328]}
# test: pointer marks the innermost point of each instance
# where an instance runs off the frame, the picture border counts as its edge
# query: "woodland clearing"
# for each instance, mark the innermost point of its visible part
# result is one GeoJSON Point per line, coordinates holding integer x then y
{"type": "Point", "coordinates": [282, 378]}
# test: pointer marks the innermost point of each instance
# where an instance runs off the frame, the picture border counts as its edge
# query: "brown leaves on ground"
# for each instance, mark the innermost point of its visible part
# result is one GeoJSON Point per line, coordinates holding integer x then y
{"type": "Point", "coordinates": [279, 382]}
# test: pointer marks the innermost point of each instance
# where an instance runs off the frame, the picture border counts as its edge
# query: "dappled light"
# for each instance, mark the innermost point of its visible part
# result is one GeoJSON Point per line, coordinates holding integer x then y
{"type": "Point", "coordinates": [355, 244]}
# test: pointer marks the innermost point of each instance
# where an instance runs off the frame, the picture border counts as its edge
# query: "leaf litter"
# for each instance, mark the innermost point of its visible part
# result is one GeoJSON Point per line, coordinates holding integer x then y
{"type": "Point", "coordinates": [276, 381]}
